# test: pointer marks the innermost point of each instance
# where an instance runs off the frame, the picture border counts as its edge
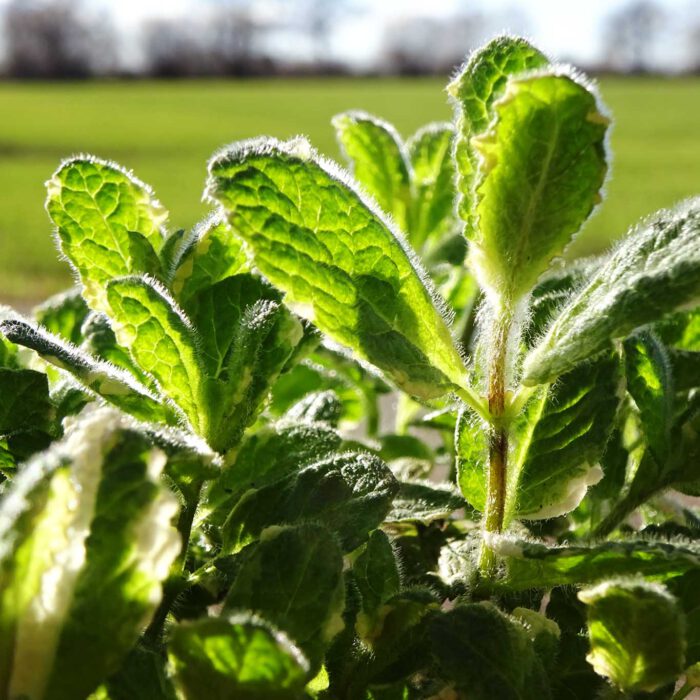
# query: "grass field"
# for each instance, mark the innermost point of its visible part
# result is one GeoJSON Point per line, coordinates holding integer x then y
{"type": "Point", "coordinates": [165, 132]}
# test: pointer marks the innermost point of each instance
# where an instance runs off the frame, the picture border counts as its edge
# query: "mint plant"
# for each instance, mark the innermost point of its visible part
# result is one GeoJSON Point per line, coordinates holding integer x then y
{"type": "Point", "coordinates": [201, 495]}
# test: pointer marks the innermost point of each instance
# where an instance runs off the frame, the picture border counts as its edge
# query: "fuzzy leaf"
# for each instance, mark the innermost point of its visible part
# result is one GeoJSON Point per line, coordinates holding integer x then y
{"type": "Point", "coordinates": [217, 313]}
{"type": "Point", "coordinates": [562, 437]}
{"type": "Point", "coordinates": [376, 573]}
{"type": "Point", "coordinates": [534, 565]}
{"type": "Point", "coordinates": [424, 501]}
{"type": "Point", "coordinates": [162, 342]}
{"type": "Point", "coordinates": [99, 340]}
{"type": "Point", "coordinates": [551, 293]}
{"type": "Point", "coordinates": [307, 602]}
{"type": "Point", "coordinates": [317, 407]}
{"type": "Point", "coordinates": [112, 384]}
{"type": "Point", "coordinates": [432, 210]}
{"type": "Point", "coordinates": [210, 255]}
{"type": "Point", "coordinates": [337, 259]}
{"type": "Point", "coordinates": [142, 676]}
{"type": "Point", "coordinates": [471, 447]}
{"type": "Point", "coordinates": [687, 590]}
{"type": "Point", "coordinates": [474, 91]}
{"type": "Point", "coordinates": [85, 523]}
{"type": "Point", "coordinates": [274, 452]}
{"type": "Point", "coordinates": [378, 161]}
{"type": "Point", "coordinates": [650, 384]}
{"type": "Point", "coordinates": [654, 271]}
{"type": "Point", "coordinates": [482, 652]}
{"type": "Point", "coordinates": [349, 493]}
{"type": "Point", "coordinates": [573, 678]}
{"type": "Point", "coordinates": [63, 314]}
{"type": "Point", "coordinates": [685, 368]}
{"type": "Point", "coordinates": [108, 223]}
{"type": "Point", "coordinates": [265, 340]}
{"type": "Point", "coordinates": [25, 401]}
{"type": "Point", "coordinates": [544, 634]}
{"type": "Point", "coordinates": [237, 656]}
{"type": "Point", "coordinates": [681, 470]}
{"type": "Point", "coordinates": [541, 166]}
{"type": "Point", "coordinates": [637, 634]}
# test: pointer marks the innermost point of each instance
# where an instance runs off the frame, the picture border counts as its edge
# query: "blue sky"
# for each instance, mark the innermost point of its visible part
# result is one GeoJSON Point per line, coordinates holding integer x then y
{"type": "Point", "coordinates": [564, 28]}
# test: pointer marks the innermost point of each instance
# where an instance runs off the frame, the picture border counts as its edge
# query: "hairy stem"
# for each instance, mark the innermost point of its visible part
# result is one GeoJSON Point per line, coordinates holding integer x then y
{"type": "Point", "coordinates": [498, 436]}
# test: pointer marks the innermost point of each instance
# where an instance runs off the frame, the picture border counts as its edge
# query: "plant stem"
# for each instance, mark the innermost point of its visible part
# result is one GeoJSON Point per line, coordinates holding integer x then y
{"type": "Point", "coordinates": [498, 433]}
{"type": "Point", "coordinates": [683, 692]}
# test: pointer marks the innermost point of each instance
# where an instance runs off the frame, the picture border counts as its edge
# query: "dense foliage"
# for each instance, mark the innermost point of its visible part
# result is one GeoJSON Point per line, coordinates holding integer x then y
{"type": "Point", "coordinates": [208, 493]}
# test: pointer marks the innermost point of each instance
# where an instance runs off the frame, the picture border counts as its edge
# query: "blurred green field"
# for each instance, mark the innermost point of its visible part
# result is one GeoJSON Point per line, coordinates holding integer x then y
{"type": "Point", "coordinates": [165, 132]}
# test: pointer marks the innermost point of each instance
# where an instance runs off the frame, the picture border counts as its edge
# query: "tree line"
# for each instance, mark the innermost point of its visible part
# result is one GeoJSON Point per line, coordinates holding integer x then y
{"type": "Point", "coordinates": [60, 39]}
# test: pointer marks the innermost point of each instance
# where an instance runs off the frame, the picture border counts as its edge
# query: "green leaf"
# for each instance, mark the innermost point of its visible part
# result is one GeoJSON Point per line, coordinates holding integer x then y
{"type": "Point", "coordinates": [471, 447]}
{"type": "Point", "coordinates": [19, 447]}
{"type": "Point", "coordinates": [85, 543]}
{"type": "Point", "coordinates": [535, 565]}
{"type": "Point", "coordinates": [272, 453]}
{"type": "Point", "coordinates": [572, 678]}
{"type": "Point", "coordinates": [474, 91]}
{"type": "Point", "coordinates": [656, 270]}
{"type": "Point", "coordinates": [424, 501]}
{"type": "Point", "coordinates": [211, 254]}
{"type": "Point", "coordinates": [63, 314]}
{"type": "Point", "coordinates": [432, 213]}
{"type": "Point", "coordinates": [337, 259]}
{"type": "Point", "coordinates": [307, 602]}
{"type": "Point", "coordinates": [142, 676]}
{"type": "Point", "coordinates": [561, 439]}
{"type": "Point", "coordinates": [541, 166]}
{"type": "Point", "coordinates": [650, 384]}
{"type": "Point", "coordinates": [376, 575]}
{"type": "Point", "coordinates": [217, 312]}
{"type": "Point", "coordinates": [190, 462]}
{"type": "Point", "coordinates": [637, 634]}
{"type": "Point", "coordinates": [667, 444]}
{"type": "Point", "coordinates": [552, 292]}
{"type": "Point", "coordinates": [99, 340]}
{"type": "Point", "coordinates": [680, 330]}
{"type": "Point", "coordinates": [686, 588]}
{"type": "Point", "coordinates": [544, 634]}
{"type": "Point", "coordinates": [112, 384]}
{"type": "Point", "coordinates": [349, 493]}
{"type": "Point", "coordinates": [266, 338]}
{"type": "Point", "coordinates": [163, 343]}
{"type": "Point", "coordinates": [238, 657]}
{"type": "Point", "coordinates": [320, 406]}
{"type": "Point", "coordinates": [400, 641]}
{"type": "Point", "coordinates": [172, 249]}
{"type": "Point", "coordinates": [25, 401]}
{"type": "Point", "coordinates": [685, 368]}
{"type": "Point", "coordinates": [378, 161]}
{"type": "Point", "coordinates": [486, 654]}
{"type": "Point", "coordinates": [108, 223]}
